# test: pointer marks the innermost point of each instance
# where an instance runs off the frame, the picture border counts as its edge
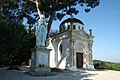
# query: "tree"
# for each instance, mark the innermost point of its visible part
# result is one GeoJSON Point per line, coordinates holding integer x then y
{"type": "Point", "coordinates": [98, 64]}
{"type": "Point", "coordinates": [53, 9]}
{"type": "Point", "coordinates": [57, 9]}
{"type": "Point", "coordinates": [15, 42]}
{"type": "Point", "coordinates": [13, 13]}
{"type": "Point", "coordinates": [10, 39]}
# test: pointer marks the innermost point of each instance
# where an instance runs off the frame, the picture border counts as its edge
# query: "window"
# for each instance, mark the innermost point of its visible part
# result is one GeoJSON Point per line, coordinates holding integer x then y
{"type": "Point", "coordinates": [68, 27]}
{"type": "Point", "coordinates": [83, 28]}
{"type": "Point", "coordinates": [60, 29]}
{"type": "Point", "coordinates": [73, 26]}
{"type": "Point", "coordinates": [63, 28]}
{"type": "Point", "coordinates": [78, 27]}
{"type": "Point", "coordinates": [60, 48]}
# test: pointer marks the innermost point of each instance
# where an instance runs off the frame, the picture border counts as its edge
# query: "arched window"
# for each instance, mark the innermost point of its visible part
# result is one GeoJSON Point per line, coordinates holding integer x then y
{"type": "Point", "coordinates": [74, 27]}
{"type": "Point", "coordinates": [60, 29]}
{"type": "Point", "coordinates": [78, 27]}
{"type": "Point", "coordinates": [63, 28]}
{"type": "Point", "coordinates": [68, 27]}
{"type": "Point", "coordinates": [60, 48]}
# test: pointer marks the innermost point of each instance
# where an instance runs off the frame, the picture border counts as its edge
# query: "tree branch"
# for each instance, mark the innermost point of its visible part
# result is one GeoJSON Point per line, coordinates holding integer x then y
{"type": "Point", "coordinates": [38, 11]}
{"type": "Point", "coordinates": [50, 22]}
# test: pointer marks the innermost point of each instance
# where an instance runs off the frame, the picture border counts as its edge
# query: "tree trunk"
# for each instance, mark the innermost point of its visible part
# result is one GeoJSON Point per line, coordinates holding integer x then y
{"type": "Point", "coordinates": [50, 23]}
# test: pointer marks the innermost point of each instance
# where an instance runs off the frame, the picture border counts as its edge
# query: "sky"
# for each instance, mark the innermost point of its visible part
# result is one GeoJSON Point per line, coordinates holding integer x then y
{"type": "Point", "coordinates": [104, 20]}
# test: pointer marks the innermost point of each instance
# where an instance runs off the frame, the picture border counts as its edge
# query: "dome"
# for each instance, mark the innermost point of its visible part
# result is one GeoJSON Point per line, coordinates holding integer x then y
{"type": "Point", "coordinates": [72, 20]}
{"type": "Point", "coordinates": [71, 24]}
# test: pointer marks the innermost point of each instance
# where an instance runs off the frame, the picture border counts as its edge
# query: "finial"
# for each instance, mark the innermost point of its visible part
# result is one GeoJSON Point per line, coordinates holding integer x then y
{"type": "Point", "coordinates": [90, 31]}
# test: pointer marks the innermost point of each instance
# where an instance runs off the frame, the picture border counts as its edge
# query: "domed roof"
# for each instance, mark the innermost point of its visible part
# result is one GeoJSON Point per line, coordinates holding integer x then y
{"type": "Point", "coordinates": [72, 20]}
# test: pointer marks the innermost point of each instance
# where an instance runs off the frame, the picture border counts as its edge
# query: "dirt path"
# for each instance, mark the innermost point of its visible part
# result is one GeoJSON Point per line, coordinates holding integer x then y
{"type": "Point", "coordinates": [104, 75]}
{"type": "Point", "coordinates": [80, 75]}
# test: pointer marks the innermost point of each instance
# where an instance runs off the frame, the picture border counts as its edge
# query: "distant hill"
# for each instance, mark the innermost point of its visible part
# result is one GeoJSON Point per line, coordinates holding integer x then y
{"type": "Point", "coordinates": [98, 64]}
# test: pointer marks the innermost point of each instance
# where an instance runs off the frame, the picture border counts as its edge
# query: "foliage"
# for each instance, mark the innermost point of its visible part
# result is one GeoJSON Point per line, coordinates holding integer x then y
{"type": "Point", "coordinates": [57, 9]}
{"type": "Point", "coordinates": [106, 65]}
{"type": "Point", "coordinates": [14, 42]}
{"type": "Point", "coordinates": [53, 9]}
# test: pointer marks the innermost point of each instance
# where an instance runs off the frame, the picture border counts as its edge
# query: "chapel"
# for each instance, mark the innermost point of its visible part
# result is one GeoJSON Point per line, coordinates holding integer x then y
{"type": "Point", "coordinates": [71, 48]}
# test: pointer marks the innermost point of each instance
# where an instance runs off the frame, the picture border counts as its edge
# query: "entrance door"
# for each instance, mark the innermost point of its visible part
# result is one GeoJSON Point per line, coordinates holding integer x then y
{"type": "Point", "coordinates": [79, 60]}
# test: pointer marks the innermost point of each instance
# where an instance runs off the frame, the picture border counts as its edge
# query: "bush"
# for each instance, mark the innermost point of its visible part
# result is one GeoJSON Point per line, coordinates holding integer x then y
{"type": "Point", "coordinates": [106, 65]}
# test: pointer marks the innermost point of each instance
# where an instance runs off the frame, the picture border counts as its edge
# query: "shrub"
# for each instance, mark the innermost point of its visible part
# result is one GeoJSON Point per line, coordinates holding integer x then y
{"type": "Point", "coordinates": [106, 65]}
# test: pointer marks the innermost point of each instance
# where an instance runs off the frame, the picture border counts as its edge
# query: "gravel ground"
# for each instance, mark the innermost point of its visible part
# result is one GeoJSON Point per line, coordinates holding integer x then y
{"type": "Point", "coordinates": [105, 75]}
{"type": "Point", "coordinates": [80, 75]}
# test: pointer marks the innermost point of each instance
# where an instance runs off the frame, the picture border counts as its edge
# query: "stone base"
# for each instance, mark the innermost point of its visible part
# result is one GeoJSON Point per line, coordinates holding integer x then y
{"type": "Point", "coordinates": [40, 60]}
{"type": "Point", "coordinates": [73, 68]}
{"type": "Point", "coordinates": [40, 69]}
{"type": "Point", "coordinates": [43, 73]}
{"type": "Point", "coordinates": [91, 67]}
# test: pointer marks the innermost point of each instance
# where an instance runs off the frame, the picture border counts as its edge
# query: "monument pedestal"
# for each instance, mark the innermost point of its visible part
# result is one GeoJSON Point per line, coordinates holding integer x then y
{"type": "Point", "coordinates": [40, 60]}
